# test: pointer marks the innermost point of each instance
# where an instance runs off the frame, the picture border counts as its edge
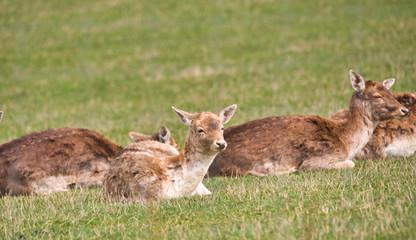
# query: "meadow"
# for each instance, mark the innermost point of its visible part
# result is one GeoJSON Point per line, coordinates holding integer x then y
{"type": "Point", "coordinates": [118, 66]}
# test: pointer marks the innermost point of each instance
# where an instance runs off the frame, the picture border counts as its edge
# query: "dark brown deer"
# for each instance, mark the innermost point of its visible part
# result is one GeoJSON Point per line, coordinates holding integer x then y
{"type": "Point", "coordinates": [57, 160]}
{"type": "Point", "coordinates": [151, 170]}
{"type": "Point", "coordinates": [278, 145]}
{"type": "Point", "coordinates": [391, 138]}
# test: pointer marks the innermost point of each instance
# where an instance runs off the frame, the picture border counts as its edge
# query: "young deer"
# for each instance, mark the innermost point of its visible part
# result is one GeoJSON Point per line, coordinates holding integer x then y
{"type": "Point", "coordinates": [150, 170]}
{"type": "Point", "coordinates": [391, 138]}
{"type": "Point", "coordinates": [162, 136]}
{"type": "Point", "coordinates": [57, 160]}
{"type": "Point", "coordinates": [278, 145]}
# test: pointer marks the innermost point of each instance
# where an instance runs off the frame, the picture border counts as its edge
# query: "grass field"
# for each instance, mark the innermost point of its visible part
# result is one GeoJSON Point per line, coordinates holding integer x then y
{"type": "Point", "coordinates": [117, 66]}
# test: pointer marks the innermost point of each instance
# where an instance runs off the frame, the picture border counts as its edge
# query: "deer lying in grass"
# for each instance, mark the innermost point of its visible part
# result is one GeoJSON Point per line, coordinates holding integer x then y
{"type": "Point", "coordinates": [279, 145]}
{"type": "Point", "coordinates": [162, 136]}
{"type": "Point", "coordinates": [57, 160]}
{"type": "Point", "coordinates": [150, 170]}
{"type": "Point", "coordinates": [391, 138]}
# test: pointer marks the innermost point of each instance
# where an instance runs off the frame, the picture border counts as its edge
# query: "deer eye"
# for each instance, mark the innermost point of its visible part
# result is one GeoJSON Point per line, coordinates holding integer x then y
{"type": "Point", "coordinates": [377, 96]}
{"type": "Point", "coordinates": [200, 130]}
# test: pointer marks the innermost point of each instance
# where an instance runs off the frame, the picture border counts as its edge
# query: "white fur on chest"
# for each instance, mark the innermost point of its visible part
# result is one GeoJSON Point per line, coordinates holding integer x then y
{"type": "Point", "coordinates": [188, 181]}
{"type": "Point", "coordinates": [404, 147]}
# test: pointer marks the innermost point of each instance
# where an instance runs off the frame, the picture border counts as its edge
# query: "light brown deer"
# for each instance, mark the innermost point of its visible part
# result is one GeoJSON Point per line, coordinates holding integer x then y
{"type": "Point", "coordinates": [391, 138]}
{"type": "Point", "coordinates": [57, 160]}
{"type": "Point", "coordinates": [279, 145]}
{"type": "Point", "coordinates": [162, 136]}
{"type": "Point", "coordinates": [150, 170]}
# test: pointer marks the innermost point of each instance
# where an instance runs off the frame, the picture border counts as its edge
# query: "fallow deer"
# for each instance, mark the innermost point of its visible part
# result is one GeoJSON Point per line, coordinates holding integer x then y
{"type": "Point", "coordinates": [162, 136]}
{"type": "Point", "coordinates": [149, 170]}
{"type": "Point", "coordinates": [391, 138]}
{"type": "Point", "coordinates": [57, 160]}
{"type": "Point", "coordinates": [279, 145]}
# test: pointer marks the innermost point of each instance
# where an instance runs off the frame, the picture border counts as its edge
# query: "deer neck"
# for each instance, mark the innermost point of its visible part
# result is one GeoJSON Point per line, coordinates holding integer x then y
{"type": "Point", "coordinates": [193, 167]}
{"type": "Point", "coordinates": [358, 126]}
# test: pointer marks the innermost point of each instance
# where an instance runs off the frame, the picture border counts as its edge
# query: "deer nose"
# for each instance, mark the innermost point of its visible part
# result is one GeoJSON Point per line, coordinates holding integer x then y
{"type": "Point", "coordinates": [404, 112]}
{"type": "Point", "coordinates": [221, 145]}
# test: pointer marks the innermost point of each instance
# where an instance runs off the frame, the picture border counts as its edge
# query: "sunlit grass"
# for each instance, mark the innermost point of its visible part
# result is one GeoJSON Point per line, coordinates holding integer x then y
{"type": "Point", "coordinates": [117, 66]}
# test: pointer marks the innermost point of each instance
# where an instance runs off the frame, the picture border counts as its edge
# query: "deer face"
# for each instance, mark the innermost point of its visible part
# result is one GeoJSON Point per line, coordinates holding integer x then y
{"type": "Point", "coordinates": [206, 129]}
{"type": "Point", "coordinates": [379, 102]}
{"type": "Point", "coordinates": [206, 132]}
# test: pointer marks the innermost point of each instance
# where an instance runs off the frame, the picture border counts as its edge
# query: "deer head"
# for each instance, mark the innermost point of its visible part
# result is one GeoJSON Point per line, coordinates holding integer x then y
{"type": "Point", "coordinates": [378, 101]}
{"type": "Point", "coordinates": [206, 129]}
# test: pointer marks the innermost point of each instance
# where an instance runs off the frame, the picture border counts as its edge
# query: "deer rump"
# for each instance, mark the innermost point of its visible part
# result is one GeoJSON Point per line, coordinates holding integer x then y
{"type": "Point", "coordinates": [55, 160]}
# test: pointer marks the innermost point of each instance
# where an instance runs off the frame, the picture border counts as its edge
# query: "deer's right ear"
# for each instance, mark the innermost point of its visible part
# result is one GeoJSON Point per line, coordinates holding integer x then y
{"type": "Point", "coordinates": [185, 117]}
{"type": "Point", "coordinates": [164, 135]}
{"type": "Point", "coordinates": [357, 81]}
{"type": "Point", "coordinates": [137, 137]}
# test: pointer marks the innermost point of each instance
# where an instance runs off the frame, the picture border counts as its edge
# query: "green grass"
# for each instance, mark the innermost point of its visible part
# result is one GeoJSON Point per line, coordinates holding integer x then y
{"type": "Point", "coordinates": [117, 66]}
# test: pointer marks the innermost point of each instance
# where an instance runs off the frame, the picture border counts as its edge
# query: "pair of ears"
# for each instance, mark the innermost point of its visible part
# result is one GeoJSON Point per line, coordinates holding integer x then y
{"type": "Point", "coordinates": [164, 136]}
{"type": "Point", "coordinates": [358, 83]}
{"type": "Point", "coordinates": [187, 118]}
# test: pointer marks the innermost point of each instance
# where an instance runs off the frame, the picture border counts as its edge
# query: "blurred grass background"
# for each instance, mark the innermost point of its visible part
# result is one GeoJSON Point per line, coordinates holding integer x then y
{"type": "Point", "coordinates": [117, 66]}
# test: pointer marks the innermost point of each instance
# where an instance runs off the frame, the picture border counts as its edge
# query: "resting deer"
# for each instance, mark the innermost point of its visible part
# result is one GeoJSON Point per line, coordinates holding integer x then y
{"type": "Point", "coordinates": [279, 145]}
{"type": "Point", "coordinates": [391, 138]}
{"type": "Point", "coordinates": [150, 170]}
{"type": "Point", "coordinates": [57, 160]}
{"type": "Point", "coordinates": [162, 136]}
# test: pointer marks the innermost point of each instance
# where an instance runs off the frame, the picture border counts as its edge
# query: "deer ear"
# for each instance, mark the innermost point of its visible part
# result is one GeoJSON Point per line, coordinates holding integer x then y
{"type": "Point", "coordinates": [186, 117]}
{"type": "Point", "coordinates": [389, 82]}
{"type": "Point", "coordinates": [226, 114]}
{"type": "Point", "coordinates": [138, 137]}
{"type": "Point", "coordinates": [357, 81]}
{"type": "Point", "coordinates": [164, 135]}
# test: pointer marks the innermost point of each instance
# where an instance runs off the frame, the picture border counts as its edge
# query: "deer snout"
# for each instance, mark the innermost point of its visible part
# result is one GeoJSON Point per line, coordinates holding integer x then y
{"type": "Point", "coordinates": [401, 113]}
{"type": "Point", "coordinates": [221, 145]}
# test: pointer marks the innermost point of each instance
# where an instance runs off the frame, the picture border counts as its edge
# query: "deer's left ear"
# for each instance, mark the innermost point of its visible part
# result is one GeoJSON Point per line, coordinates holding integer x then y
{"type": "Point", "coordinates": [226, 114]}
{"type": "Point", "coordinates": [138, 137]}
{"type": "Point", "coordinates": [389, 82]}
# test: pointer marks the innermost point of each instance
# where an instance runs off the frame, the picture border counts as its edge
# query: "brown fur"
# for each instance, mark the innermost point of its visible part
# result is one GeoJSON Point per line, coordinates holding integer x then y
{"type": "Point", "coordinates": [77, 152]}
{"type": "Point", "coordinates": [391, 132]}
{"type": "Point", "coordinates": [278, 145]}
{"type": "Point", "coordinates": [55, 160]}
{"type": "Point", "coordinates": [150, 170]}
